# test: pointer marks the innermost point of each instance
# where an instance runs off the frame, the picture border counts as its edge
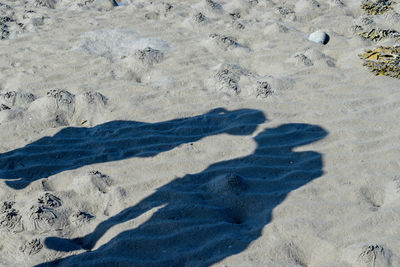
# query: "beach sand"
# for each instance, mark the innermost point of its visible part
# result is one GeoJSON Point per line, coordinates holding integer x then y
{"type": "Point", "coordinates": [196, 133]}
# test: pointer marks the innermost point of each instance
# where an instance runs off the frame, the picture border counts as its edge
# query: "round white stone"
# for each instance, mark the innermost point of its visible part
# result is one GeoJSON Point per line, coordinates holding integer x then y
{"type": "Point", "coordinates": [319, 37]}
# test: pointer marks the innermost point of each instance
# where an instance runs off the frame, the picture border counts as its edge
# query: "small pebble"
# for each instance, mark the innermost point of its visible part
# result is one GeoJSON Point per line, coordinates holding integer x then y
{"type": "Point", "coordinates": [319, 36]}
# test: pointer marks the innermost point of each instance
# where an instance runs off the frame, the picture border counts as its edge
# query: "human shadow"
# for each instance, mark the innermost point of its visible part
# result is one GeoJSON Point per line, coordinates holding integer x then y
{"type": "Point", "coordinates": [204, 217]}
{"type": "Point", "coordinates": [74, 147]}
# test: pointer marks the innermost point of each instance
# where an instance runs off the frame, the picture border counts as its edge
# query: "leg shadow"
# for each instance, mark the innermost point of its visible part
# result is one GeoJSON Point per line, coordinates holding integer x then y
{"type": "Point", "coordinates": [74, 147]}
{"type": "Point", "coordinates": [208, 215]}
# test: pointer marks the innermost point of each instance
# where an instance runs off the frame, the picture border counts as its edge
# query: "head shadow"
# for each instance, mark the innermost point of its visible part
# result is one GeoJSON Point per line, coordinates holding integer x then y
{"type": "Point", "coordinates": [207, 216]}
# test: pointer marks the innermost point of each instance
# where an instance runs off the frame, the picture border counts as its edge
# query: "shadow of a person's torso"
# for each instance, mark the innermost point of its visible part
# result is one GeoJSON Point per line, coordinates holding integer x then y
{"type": "Point", "coordinates": [209, 215]}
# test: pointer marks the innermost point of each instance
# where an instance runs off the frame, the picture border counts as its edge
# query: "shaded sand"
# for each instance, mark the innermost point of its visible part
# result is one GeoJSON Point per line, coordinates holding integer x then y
{"type": "Point", "coordinates": [196, 133]}
{"type": "Point", "coordinates": [207, 216]}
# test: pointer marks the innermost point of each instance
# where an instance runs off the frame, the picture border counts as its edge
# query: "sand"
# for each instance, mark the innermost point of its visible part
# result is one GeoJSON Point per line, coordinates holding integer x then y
{"type": "Point", "coordinates": [196, 133]}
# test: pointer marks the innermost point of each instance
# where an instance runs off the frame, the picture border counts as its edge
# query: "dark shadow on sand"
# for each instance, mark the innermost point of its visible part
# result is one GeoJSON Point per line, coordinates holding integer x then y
{"type": "Point", "coordinates": [206, 216]}
{"type": "Point", "coordinates": [74, 147]}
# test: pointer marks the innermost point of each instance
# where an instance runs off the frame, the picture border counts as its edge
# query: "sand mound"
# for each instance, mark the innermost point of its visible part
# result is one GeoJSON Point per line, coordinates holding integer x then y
{"type": "Point", "coordinates": [115, 44]}
{"type": "Point", "coordinates": [61, 108]}
{"type": "Point", "coordinates": [232, 79]}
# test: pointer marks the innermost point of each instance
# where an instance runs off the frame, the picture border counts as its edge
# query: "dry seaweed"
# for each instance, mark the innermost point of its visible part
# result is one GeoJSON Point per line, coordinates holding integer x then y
{"type": "Point", "coordinates": [377, 7]}
{"type": "Point", "coordinates": [378, 35]}
{"type": "Point", "coordinates": [384, 60]}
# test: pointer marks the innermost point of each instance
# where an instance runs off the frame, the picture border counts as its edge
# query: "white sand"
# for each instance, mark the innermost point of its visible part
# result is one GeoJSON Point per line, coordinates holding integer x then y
{"type": "Point", "coordinates": [195, 133]}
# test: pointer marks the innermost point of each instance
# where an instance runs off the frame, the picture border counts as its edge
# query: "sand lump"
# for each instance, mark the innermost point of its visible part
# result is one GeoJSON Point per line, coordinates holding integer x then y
{"type": "Point", "coordinates": [213, 6]}
{"type": "Point", "coordinates": [149, 56]}
{"type": "Point", "coordinates": [44, 3]}
{"type": "Point", "coordinates": [60, 107]}
{"type": "Point", "coordinates": [49, 200]}
{"type": "Point", "coordinates": [232, 79]}
{"type": "Point", "coordinates": [57, 108]}
{"type": "Point", "coordinates": [229, 79]}
{"type": "Point", "coordinates": [43, 215]}
{"type": "Point", "coordinates": [10, 218]}
{"type": "Point", "coordinates": [158, 10]}
{"type": "Point", "coordinates": [301, 59]}
{"type": "Point", "coordinates": [100, 181]}
{"type": "Point", "coordinates": [199, 17]}
{"type": "Point", "coordinates": [263, 89]}
{"type": "Point", "coordinates": [13, 23]}
{"type": "Point", "coordinates": [4, 107]}
{"type": "Point", "coordinates": [13, 98]}
{"type": "Point", "coordinates": [79, 218]}
{"type": "Point", "coordinates": [6, 19]}
{"type": "Point", "coordinates": [93, 182]}
{"type": "Point", "coordinates": [224, 41]}
{"type": "Point", "coordinates": [285, 12]}
{"type": "Point", "coordinates": [31, 247]}
{"type": "Point", "coordinates": [374, 255]}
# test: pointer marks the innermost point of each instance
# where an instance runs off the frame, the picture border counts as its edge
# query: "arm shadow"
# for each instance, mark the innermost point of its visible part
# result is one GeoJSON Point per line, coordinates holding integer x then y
{"type": "Point", "coordinates": [74, 147]}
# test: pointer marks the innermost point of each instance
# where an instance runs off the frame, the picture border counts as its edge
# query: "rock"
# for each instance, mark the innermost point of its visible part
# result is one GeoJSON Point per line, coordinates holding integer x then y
{"type": "Point", "coordinates": [319, 37]}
